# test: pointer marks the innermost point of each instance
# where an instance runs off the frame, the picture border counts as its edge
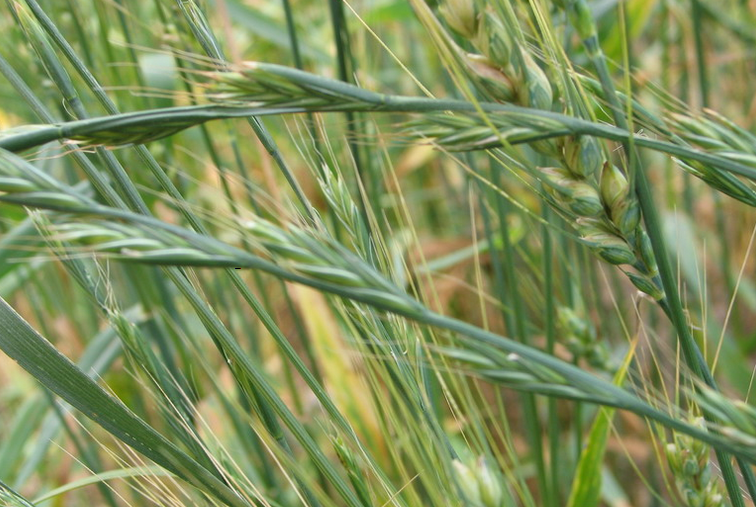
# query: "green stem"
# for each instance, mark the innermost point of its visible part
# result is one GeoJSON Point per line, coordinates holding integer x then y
{"type": "Point", "coordinates": [550, 331]}
{"type": "Point", "coordinates": [530, 409]}
{"type": "Point", "coordinates": [703, 81]}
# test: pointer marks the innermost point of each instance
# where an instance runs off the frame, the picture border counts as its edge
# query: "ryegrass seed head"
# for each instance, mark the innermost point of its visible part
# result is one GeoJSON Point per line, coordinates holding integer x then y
{"type": "Point", "coordinates": [354, 471]}
{"type": "Point", "coordinates": [738, 416]}
{"type": "Point", "coordinates": [724, 182]}
{"type": "Point", "coordinates": [692, 128]}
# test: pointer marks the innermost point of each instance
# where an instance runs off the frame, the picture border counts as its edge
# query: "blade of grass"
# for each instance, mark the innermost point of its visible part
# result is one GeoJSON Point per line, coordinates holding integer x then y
{"type": "Point", "coordinates": [58, 374]}
{"type": "Point", "coordinates": [586, 483]}
{"type": "Point", "coordinates": [10, 498]}
{"type": "Point", "coordinates": [123, 473]}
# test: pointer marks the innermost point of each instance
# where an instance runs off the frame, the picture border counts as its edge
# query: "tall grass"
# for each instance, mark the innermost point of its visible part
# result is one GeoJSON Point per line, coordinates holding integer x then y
{"type": "Point", "coordinates": [427, 253]}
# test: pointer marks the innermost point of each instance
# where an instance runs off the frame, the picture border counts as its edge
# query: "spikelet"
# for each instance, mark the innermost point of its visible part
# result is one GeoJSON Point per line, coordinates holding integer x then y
{"type": "Point", "coordinates": [495, 68]}
{"type": "Point", "coordinates": [689, 462]}
{"type": "Point", "coordinates": [580, 338]}
{"type": "Point", "coordinates": [480, 484]}
{"type": "Point", "coordinates": [586, 187]}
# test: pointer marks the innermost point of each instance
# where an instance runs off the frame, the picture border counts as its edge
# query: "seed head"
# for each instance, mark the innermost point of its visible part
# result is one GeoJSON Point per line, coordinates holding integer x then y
{"type": "Point", "coordinates": [493, 80]}
{"type": "Point", "coordinates": [461, 16]}
{"type": "Point", "coordinates": [491, 492]}
{"type": "Point", "coordinates": [467, 482]}
{"type": "Point", "coordinates": [539, 94]}
{"type": "Point", "coordinates": [583, 156]}
{"type": "Point", "coordinates": [688, 125]}
{"type": "Point", "coordinates": [493, 40]}
{"type": "Point", "coordinates": [611, 248]}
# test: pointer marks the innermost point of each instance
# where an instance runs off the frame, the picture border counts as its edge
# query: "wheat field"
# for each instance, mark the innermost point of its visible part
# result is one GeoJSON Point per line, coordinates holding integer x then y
{"type": "Point", "coordinates": [377, 253]}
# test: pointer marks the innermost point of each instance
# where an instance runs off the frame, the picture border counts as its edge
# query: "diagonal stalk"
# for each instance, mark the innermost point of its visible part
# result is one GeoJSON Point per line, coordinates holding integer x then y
{"type": "Point", "coordinates": [149, 125]}
{"type": "Point", "coordinates": [395, 301]}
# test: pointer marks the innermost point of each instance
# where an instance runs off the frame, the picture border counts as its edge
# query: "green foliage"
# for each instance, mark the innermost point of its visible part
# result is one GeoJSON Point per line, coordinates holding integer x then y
{"type": "Point", "coordinates": [378, 254]}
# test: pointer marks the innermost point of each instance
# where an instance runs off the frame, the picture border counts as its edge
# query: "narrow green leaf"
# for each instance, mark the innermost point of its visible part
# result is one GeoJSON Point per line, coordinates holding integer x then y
{"type": "Point", "coordinates": [57, 373]}
{"type": "Point", "coordinates": [586, 485]}
{"type": "Point", "coordinates": [9, 498]}
{"type": "Point", "coordinates": [123, 473]}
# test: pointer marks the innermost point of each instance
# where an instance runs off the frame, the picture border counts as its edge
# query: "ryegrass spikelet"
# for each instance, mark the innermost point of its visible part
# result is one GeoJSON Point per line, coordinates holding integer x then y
{"type": "Point", "coordinates": [21, 182]}
{"type": "Point", "coordinates": [345, 209]}
{"type": "Point", "coordinates": [515, 372]}
{"type": "Point", "coordinates": [259, 83]}
{"type": "Point", "coordinates": [717, 134]}
{"type": "Point", "coordinates": [128, 242]}
{"type": "Point", "coordinates": [354, 471]}
{"type": "Point", "coordinates": [738, 417]}
{"type": "Point", "coordinates": [689, 460]}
